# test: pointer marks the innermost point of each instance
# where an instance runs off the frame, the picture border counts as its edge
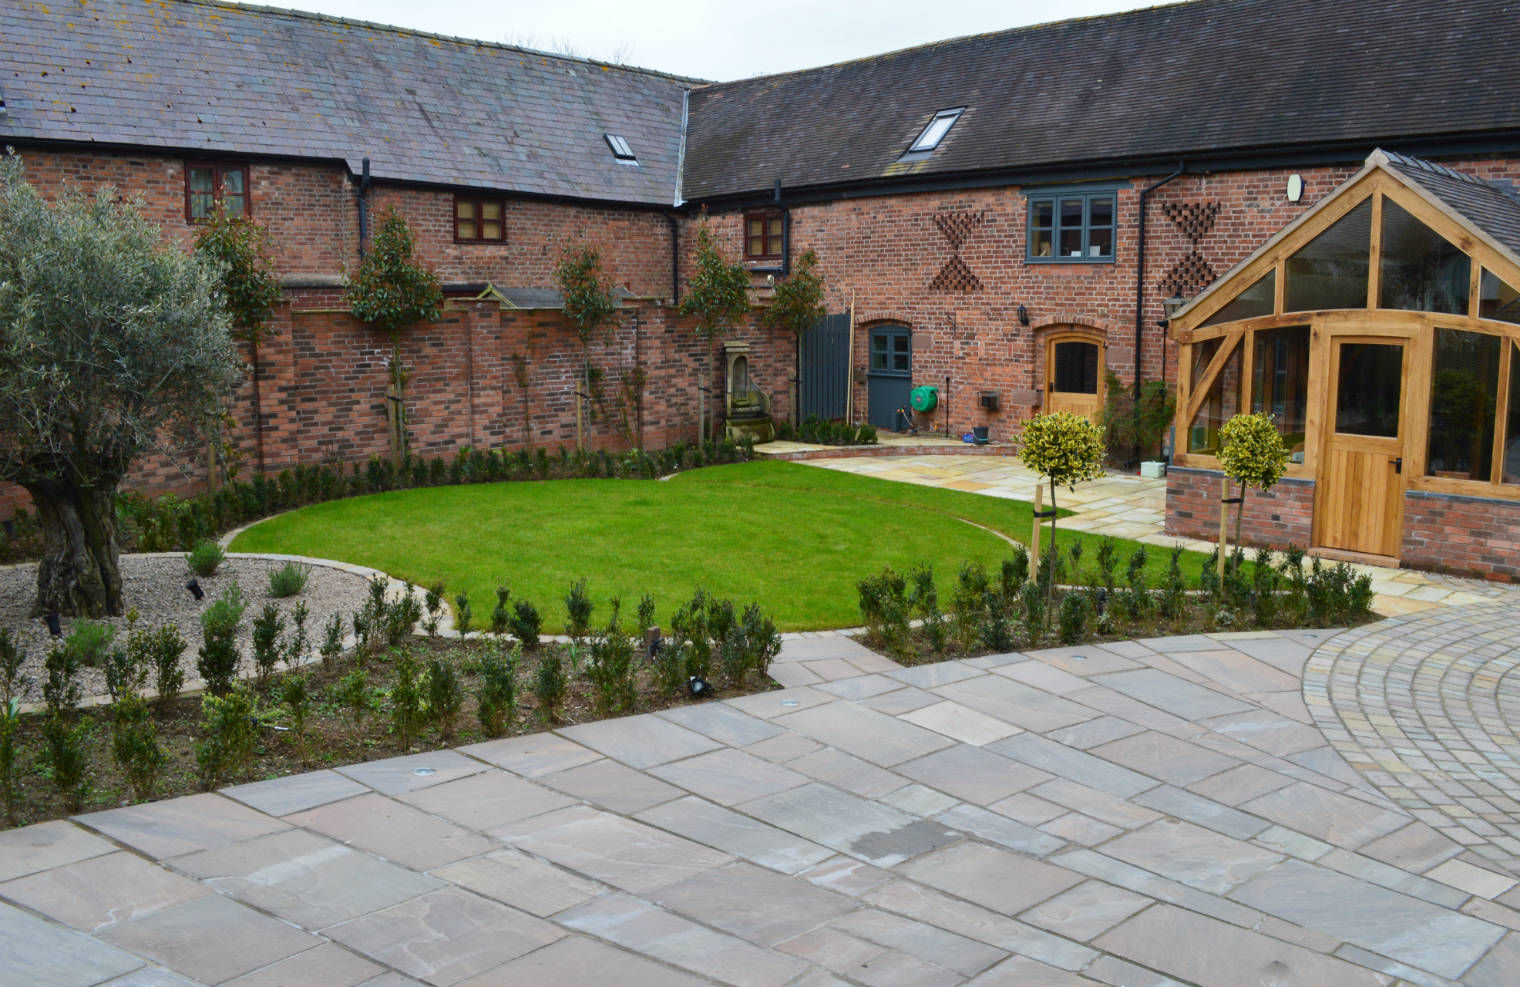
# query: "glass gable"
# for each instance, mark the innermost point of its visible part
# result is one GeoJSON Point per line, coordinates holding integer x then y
{"type": "Point", "coordinates": [1331, 270]}
{"type": "Point", "coordinates": [1497, 300]}
{"type": "Point", "coordinates": [1420, 270]}
{"type": "Point", "coordinates": [1259, 299]}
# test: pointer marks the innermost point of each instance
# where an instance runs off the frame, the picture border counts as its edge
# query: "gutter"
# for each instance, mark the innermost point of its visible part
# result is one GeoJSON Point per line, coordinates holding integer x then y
{"type": "Point", "coordinates": [1140, 276]}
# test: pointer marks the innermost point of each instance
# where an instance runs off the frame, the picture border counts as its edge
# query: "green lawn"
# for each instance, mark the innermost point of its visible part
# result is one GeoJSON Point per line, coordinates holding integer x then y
{"type": "Point", "coordinates": [795, 538]}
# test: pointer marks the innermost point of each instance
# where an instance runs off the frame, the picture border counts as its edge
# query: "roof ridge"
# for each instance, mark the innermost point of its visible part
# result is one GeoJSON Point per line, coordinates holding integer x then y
{"type": "Point", "coordinates": [924, 46]}
{"type": "Point", "coordinates": [259, 8]}
{"type": "Point", "coordinates": [1420, 164]}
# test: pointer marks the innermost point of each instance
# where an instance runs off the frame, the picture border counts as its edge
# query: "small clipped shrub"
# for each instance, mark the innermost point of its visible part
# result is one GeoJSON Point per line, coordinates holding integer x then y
{"type": "Point", "coordinates": [611, 668]}
{"type": "Point", "coordinates": [923, 600]}
{"type": "Point", "coordinates": [332, 641]}
{"type": "Point", "coordinates": [1173, 601]}
{"type": "Point", "coordinates": [295, 694]}
{"type": "Point", "coordinates": [578, 609]}
{"type": "Point", "coordinates": [884, 608]}
{"type": "Point", "coordinates": [690, 637]}
{"type": "Point", "coordinates": [463, 615]}
{"type": "Point", "coordinates": [408, 701]}
{"type": "Point", "coordinates": [267, 628]}
{"type": "Point", "coordinates": [1032, 605]}
{"type": "Point", "coordinates": [205, 557]}
{"type": "Point", "coordinates": [646, 613]}
{"type": "Point", "coordinates": [159, 651]}
{"type": "Point", "coordinates": [549, 687]}
{"type": "Point", "coordinates": [1265, 581]}
{"type": "Point", "coordinates": [1013, 574]}
{"type": "Point", "coordinates": [501, 615]}
{"type": "Point", "coordinates": [400, 616]}
{"type": "Point", "coordinates": [299, 642]}
{"type": "Point", "coordinates": [445, 696]}
{"type": "Point", "coordinates": [10, 782]}
{"type": "Point", "coordinates": [60, 689]}
{"type": "Point", "coordinates": [433, 603]}
{"type": "Point", "coordinates": [971, 586]}
{"type": "Point", "coordinates": [994, 630]}
{"type": "Point", "coordinates": [1107, 558]}
{"type": "Point", "coordinates": [134, 745]}
{"type": "Point", "coordinates": [218, 661]}
{"type": "Point", "coordinates": [288, 580]}
{"type": "Point", "coordinates": [352, 692]}
{"type": "Point", "coordinates": [526, 624]}
{"type": "Point", "coordinates": [1136, 598]}
{"type": "Point", "coordinates": [230, 724]}
{"type": "Point", "coordinates": [497, 700]}
{"type": "Point", "coordinates": [1072, 618]}
{"type": "Point", "coordinates": [66, 758]}
{"type": "Point", "coordinates": [12, 659]}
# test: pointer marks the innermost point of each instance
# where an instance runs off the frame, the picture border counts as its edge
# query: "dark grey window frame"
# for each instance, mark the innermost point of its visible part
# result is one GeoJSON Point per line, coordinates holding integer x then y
{"type": "Point", "coordinates": [1053, 196]}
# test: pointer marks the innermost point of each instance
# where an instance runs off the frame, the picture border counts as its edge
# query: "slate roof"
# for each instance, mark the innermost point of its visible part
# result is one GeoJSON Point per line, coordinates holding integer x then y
{"type": "Point", "coordinates": [218, 78]}
{"type": "Point", "coordinates": [1209, 77]}
{"type": "Point", "coordinates": [1492, 208]}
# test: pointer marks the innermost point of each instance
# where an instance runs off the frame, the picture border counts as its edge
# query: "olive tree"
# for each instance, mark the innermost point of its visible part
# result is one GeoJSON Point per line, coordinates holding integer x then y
{"type": "Point", "coordinates": [111, 343]}
{"type": "Point", "coordinates": [1066, 449]}
{"type": "Point", "coordinates": [797, 307]}
{"type": "Point", "coordinates": [717, 297]}
{"type": "Point", "coordinates": [1252, 453]}
{"type": "Point", "coordinates": [589, 306]}
{"type": "Point", "coordinates": [392, 292]}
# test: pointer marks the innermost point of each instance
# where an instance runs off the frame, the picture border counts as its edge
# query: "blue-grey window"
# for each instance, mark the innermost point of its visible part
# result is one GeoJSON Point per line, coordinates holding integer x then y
{"type": "Point", "coordinates": [1072, 227]}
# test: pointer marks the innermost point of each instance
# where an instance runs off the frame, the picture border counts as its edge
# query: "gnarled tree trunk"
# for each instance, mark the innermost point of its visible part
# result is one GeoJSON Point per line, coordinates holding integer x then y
{"type": "Point", "coordinates": [79, 575]}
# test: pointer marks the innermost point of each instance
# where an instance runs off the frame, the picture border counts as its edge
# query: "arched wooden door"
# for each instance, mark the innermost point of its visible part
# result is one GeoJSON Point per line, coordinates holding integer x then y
{"type": "Point", "coordinates": [1074, 374]}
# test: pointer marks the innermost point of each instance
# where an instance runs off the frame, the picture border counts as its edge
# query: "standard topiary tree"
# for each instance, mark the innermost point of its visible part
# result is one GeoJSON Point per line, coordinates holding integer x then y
{"type": "Point", "coordinates": [796, 307]}
{"type": "Point", "coordinates": [1066, 449]}
{"type": "Point", "coordinates": [392, 292]}
{"type": "Point", "coordinates": [250, 289]}
{"type": "Point", "coordinates": [1253, 454]}
{"type": "Point", "coordinates": [717, 297]}
{"type": "Point", "coordinates": [110, 342]}
{"type": "Point", "coordinates": [589, 305]}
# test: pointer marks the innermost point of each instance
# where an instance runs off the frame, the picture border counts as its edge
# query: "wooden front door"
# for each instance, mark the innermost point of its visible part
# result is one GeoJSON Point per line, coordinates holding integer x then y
{"type": "Point", "coordinates": [1359, 495]}
{"type": "Point", "coordinates": [1074, 376]}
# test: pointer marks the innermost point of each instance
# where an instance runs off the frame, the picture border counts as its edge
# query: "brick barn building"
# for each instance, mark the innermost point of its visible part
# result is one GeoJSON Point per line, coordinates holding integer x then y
{"type": "Point", "coordinates": [1008, 217]}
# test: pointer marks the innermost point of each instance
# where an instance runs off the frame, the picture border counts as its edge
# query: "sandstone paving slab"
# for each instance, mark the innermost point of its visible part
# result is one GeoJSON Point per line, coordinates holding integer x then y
{"type": "Point", "coordinates": [917, 901]}
{"type": "Point", "coordinates": [930, 943]}
{"type": "Point", "coordinates": [827, 670]}
{"type": "Point", "coordinates": [28, 849]}
{"type": "Point", "coordinates": [157, 976]}
{"type": "Point", "coordinates": [1095, 732]}
{"type": "Point", "coordinates": [645, 928]}
{"type": "Point", "coordinates": [487, 800]}
{"type": "Point", "coordinates": [1102, 699]}
{"type": "Point", "coordinates": [1376, 872]}
{"type": "Point", "coordinates": [972, 774]}
{"type": "Point", "coordinates": [1201, 950]}
{"type": "Point", "coordinates": [533, 755]}
{"type": "Point", "coordinates": [1328, 762]}
{"type": "Point", "coordinates": [846, 875]}
{"type": "Point", "coordinates": [297, 793]}
{"type": "Point", "coordinates": [784, 747]}
{"type": "Point", "coordinates": [1204, 812]}
{"type": "Point", "coordinates": [900, 701]}
{"type": "Point", "coordinates": [183, 825]}
{"type": "Point", "coordinates": [819, 648]}
{"type": "Point", "coordinates": [1087, 910]}
{"type": "Point", "coordinates": [794, 673]}
{"type": "Point", "coordinates": [867, 830]}
{"type": "Point", "coordinates": [893, 968]}
{"type": "Point", "coordinates": [1074, 765]}
{"type": "Point", "coordinates": [1077, 828]}
{"type": "Point", "coordinates": [391, 979]}
{"type": "Point", "coordinates": [1417, 847]}
{"type": "Point", "coordinates": [961, 723]}
{"type": "Point", "coordinates": [395, 775]}
{"type": "Point", "coordinates": [994, 827]}
{"type": "Point", "coordinates": [753, 903]}
{"type": "Point", "coordinates": [446, 936]}
{"type": "Point", "coordinates": [1021, 971]}
{"type": "Point", "coordinates": [740, 835]}
{"type": "Point", "coordinates": [576, 961]}
{"type": "Point", "coordinates": [1088, 659]}
{"type": "Point", "coordinates": [212, 939]}
{"type": "Point", "coordinates": [1192, 855]}
{"type": "Point", "coordinates": [936, 674]}
{"type": "Point", "coordinates": [1092, 802]}
{"type": "Point", "coordinates": [1326, 815]}
{"type": "Point", "coordinates": [1240, 784]}
{"type": "Point", "coordinates": [612, 786]}
{"type": "Point", "coordinates": [768, 705]}
{"type": "Point", "coordinates": [395, 831]}
{"type": "Point", "coordinates": [833, 950]}
{"type": "Point", "coordinates": [1043, 676]}
{"type": "Point", "coordinates": [1238, 672]}
{"type": "Point", "coordinates": [1269, 732]}
{"type": "Point", "coordinates": [1028, 809]}
{"type": "Point", "coordinates": [846, 771]}
{"type": "Point", "coordinates": [873, 663]}
{"type": "Point", "coordinates": [1160, 756]}
{"type": "Point", "coordinates": [621, 852]}
{"type": "Point", "coordinates": [881, 739]}
{"type": "Point", "coordinates": [328, 965]}
{"type": "Point", "coordinates": [860, 686]}
{"type": "Point", "coordinates": [100, 891]}
{"type": "Point", "coordinates": [1407, 929]}
{"type": "Point", "coordinates": [1110, 870]}
{"type": "Point", "coordinates": [994, 878]}
{"type": "Point", "coordinates": [306, 879]}
{"type": "Point", "coordinates": [1497, 969]}
{"type": "Point", "coordinates": [640, 741]}
{"type": "Point", "coordinates": [37, 953]}
{"type": "Point", "coordinates": [722, 723]}
{"type": "Point", "coordinates": [1015, 703]}
{"type": "Point", "coordinates": [920, 800]}
{"type": "Point", "coordinates": [1280, 651]}
{"type": "Point", "coordinates": [1172, 694]}
{"type": "Point", "coordinates": [1479, 881]}
{"type": "Point", "coordinates": [728, 776]}
{"type": "Point", "coordinates": [521, 881]}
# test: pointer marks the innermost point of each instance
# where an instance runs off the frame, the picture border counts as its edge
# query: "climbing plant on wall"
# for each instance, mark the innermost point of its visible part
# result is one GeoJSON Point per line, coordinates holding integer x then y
{"type": "Point", "coordinates": [717, 297]}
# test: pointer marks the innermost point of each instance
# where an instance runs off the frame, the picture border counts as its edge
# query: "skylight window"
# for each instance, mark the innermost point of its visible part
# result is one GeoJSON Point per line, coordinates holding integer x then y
{"type": "Point", "coordinates": [936, 130]}
{"type": "Point", "coordinates": [620, 148]}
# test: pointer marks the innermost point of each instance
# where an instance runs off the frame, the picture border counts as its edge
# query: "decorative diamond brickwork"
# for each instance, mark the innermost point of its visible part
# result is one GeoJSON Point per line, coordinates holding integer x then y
{"type": "Point", "coordinates": [1188, 276]}
{"type": "Point", "coordinates": [955, 276]}
{"type": "Point", "coordinates": [1194, 219]}
{"type": "Point", "coordinates": [956, 228]}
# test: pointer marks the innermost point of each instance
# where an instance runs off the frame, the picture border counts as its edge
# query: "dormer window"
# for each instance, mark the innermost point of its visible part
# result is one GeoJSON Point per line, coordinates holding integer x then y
{"type": "Point", "coordinates": [936, 130]}
{"type": "Point", "coordinates": [620, 149]}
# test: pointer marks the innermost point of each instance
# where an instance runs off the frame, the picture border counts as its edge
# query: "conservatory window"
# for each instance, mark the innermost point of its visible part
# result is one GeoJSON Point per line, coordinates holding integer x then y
{"type": "Point", "coordinates": [1512, 429]}
{"type": "Point", "coordinates": [1221, 404]}
{"type": "Point", "coordinates": [1330, 271]}
{"type": "Point", "coordinates": [1464, 395]}
{"type": "Point", "coordinates": [1259, 299]}
{"type": "Point", "coordinates": [1280, 382]}
{"type": "Point", "coordinates": [1420, 270]}
{"type": "Point", "coordinates": [1497, 300]}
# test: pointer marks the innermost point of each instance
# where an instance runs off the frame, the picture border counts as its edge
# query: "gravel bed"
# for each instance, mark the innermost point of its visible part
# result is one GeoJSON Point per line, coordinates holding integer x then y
{"type": "Point", "coordinates": [154, 585]}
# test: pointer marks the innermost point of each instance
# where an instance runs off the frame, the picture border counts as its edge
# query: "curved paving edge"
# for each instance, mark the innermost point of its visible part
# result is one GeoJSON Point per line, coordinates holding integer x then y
{"type": "Point", "coordinates": [1426, 707]}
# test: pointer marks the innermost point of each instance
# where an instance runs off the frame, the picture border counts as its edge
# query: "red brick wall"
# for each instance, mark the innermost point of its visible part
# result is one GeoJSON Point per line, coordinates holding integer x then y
{"type": "Point", "coordinates": [1473, 535]}
{"type": "Point", "coordinates": [1276, 518]}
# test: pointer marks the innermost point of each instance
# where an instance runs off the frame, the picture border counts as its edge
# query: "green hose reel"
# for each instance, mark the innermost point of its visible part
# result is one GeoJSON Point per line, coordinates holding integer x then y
{"type": "Point", "coordinates": [924, 397]}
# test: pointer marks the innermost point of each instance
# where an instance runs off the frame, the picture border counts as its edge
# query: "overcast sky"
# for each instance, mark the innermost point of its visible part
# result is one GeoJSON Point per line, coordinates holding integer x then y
{"type": "Point", "coordinates": [710, 39]}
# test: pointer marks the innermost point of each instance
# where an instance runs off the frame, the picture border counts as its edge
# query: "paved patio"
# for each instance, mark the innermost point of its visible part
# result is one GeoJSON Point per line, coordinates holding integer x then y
{"type": "Point", "coordinates": [1141, 814]}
